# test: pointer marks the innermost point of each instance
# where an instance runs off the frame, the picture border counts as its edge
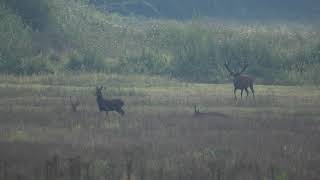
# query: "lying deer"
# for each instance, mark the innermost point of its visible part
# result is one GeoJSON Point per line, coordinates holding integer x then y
{"type": "Point", "coordinates": [240, 81]}
{"type": "Point", "coordinates": [197, 113]}
{"type": "Point", "coordinates": [108, 104]}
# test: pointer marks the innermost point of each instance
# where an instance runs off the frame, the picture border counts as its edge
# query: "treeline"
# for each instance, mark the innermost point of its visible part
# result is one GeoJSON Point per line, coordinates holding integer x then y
{"type": "Point", "coordinates": [252, 9]}
{"type": "Point", "coordinates": [50, 36]}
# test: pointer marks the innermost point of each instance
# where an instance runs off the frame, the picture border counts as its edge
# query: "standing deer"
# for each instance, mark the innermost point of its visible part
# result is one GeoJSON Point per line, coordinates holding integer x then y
{"type": "Point", "coordinates": [241, 81]}
{"type": "Point", "coordinates": [108, 104]}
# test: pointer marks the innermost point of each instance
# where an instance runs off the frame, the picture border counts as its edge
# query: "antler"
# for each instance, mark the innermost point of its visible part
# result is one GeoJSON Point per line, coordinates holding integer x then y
{"type": "Point", "coordinates": [226, 64]}
{"type": "Point", "coordinates": [244, 67]}
{"type": "Point", "coordinates": [99, 88]}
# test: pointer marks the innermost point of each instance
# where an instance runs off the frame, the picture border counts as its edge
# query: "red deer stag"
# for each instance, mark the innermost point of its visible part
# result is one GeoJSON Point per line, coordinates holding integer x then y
{"type": "Point", "coordinates": [108, 104]}
{"type": "Point", "coordinates": [241, 81]}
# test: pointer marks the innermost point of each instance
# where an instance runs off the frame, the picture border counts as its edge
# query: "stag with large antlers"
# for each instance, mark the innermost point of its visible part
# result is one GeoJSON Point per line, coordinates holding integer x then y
{"type": "Point", "coordinates": [240, 81]}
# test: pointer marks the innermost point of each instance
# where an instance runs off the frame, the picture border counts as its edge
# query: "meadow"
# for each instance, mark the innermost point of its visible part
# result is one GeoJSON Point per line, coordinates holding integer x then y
{"type": "Point", "coordinates": [276, 136]}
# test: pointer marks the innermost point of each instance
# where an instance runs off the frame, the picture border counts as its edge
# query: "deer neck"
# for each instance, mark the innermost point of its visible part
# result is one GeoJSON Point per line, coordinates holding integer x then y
{"type": "Point", "coordinates": [100, 98]}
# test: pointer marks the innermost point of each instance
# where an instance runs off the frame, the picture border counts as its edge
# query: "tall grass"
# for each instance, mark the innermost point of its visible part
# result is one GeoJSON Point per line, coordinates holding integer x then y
{"type": "Point", "coordinates": [159, 137]}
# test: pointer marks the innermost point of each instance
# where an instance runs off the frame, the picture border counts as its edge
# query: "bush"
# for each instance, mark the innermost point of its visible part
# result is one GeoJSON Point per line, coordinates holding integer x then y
{"type": "Point", "coordinates": [190, 50]}
{"type": "Point", "coordinates": [16, 42]}
{"type": "Point", "coordinates": [199, 51]}
{"type": "Point", "coordinates": [36, 65]}
{"type": "Point", "coordinates": [86, 62]}
{"type": "Point", "coordinates": [149, 62]}
{"type": "Point", "coordinates": [35, 13]}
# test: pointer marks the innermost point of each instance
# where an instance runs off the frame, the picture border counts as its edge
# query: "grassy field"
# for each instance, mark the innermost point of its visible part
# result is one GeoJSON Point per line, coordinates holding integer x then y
{"type": "Point", "coordinates": [274, 137]}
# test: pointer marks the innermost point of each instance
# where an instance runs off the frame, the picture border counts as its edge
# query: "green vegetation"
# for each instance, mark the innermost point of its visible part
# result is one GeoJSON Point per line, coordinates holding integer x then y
{"type": "Point", "coordinates": [59, 36]}
{"type": "Point", "coordinates": [240, 10]}
{"type": "Point", "coordinates": [55, 51]}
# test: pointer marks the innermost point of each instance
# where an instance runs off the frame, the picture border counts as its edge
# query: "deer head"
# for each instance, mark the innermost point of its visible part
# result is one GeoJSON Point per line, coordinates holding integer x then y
{"type": "Point", "coordinates": [98, 91]}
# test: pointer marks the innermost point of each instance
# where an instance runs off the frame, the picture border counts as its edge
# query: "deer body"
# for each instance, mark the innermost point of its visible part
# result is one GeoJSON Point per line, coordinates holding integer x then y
{"type": "Point", "coordinates": [197, 113]}
{"type": "Point", "coordinates": [109, 104]}
{"type": "Point", "coordinates": [240, 81]}
{"type": "Point", "coordinates": [243, 82]}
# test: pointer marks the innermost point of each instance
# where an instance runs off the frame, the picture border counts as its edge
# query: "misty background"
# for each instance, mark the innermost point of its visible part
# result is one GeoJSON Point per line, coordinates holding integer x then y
{"type": "Point", "coordinates": [165, 60]}
{"type": "Point", "coordinates": [185, 39]}
{"type": "Point", "coordinates": [246, 10]}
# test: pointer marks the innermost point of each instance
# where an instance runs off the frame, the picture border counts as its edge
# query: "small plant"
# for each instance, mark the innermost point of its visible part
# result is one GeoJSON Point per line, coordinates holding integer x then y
{"type": "Point", "coordinates": [74, 103]}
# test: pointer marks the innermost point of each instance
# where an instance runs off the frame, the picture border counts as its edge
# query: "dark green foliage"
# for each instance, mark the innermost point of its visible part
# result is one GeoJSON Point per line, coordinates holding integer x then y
{"type": "Point", "coordinates": [35, 13]}
{"type": "Point", "coordinates": [193, 50]}
{"type": "Point", "coordinates": [149, 62]}
{"type": "Point", "coordinates": [196, 59]}
{"type": "Point", "coordinates": [86, 62]}
{"type": "Point", "coordinates": [200, 52]}
{"type": "Point", "coordinates": [25, 66]}
{"type": "Point", "coordinates": [9, 64]}
{"type": "Point", "coordinates": [36, 65]}
{"type": "Point", "coordinates": [15, 42]}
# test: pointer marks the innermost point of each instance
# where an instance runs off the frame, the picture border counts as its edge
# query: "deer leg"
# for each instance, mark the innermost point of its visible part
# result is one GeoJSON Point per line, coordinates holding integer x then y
{"type": "Point", "coordinates": [252, 90]}
{"type": "Point", "coordinates": [246, 89]}
{"type": "Point", "coordinates": [241, 93]}
{"type": "Point", "coordinates": [107, 114]}
{"type": "Point", "coordinates": [120, 111]}
{"type": "Point", "coordinates": [235, 93]}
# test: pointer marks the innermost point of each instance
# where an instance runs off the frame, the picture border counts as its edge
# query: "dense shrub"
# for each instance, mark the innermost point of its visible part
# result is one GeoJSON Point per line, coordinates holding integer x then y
{"type": "Point", "coordinates": [149, 62]}
{"type": "Point", "coordinates": [191, 50]}
{"type": "Point", "coordinates": [199, 50]}
{"type": "Point", "coordinates": [196, 58]}
{"type": "Point", "coordinates": [15, 41]}
{"type": "Point", "coordinates": [36, 65]}
{"type": "Point", "coordinates": [86, 62]}
{"type": "Point", "coordinates": [35, 13]}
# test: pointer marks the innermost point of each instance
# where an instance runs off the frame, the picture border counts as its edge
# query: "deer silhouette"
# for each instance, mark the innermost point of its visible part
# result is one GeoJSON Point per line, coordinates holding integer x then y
{"type": "Point", "coordinates": [240, 81]}
{"type": "Point", "coordinates": [108, 104]}
{"type": "Point", "coordinates": [197, 113]}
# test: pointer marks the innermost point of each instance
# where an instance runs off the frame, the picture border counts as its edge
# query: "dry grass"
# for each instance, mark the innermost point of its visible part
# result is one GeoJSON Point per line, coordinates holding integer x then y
{"type": "Point", "coordinates": [275, 137]}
